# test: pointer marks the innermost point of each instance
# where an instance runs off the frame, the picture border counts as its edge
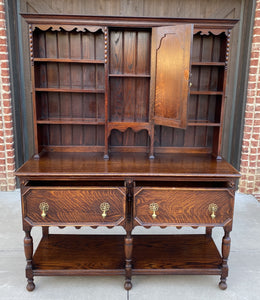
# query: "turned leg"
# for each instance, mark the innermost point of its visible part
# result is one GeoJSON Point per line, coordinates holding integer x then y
{"type": "Point", "coordinates": [209, 231]}
{"type": "Point", "coordinates": [128, 262]}
{"type": "Point", "coordinates": [225, 253]}
{"type": "Point", "coordinates": [28, 250]}
{"type": "Point", "coordinates": [128, 239]}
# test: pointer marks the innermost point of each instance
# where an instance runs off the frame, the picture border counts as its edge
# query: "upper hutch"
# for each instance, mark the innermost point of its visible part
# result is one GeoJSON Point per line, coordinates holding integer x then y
{"type": "Point", "coordinates": [128, 112]}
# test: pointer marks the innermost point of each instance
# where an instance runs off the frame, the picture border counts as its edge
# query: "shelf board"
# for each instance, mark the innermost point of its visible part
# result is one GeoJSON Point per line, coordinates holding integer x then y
{"type": "Point", "coordinates": [203, 123]}
{"type": "Point", "coordinates": [70, 90]}
{"type": "Point", "coordinates": [206, 93]}
{"type": "Point", "coordinates": [78, 121]}
{"type": "Point", "coordinates": [60, 254]}
{"type": "Point", "coordinates": [74, 253]}
{"type": "Point", "coordinates": [130, 75]}
{"type": "Point", "coordinates": [69, 60]}
{"type": "Point", "coordinates": [208, 63]}
{"type": "Point", "coordinates": [175, 254]}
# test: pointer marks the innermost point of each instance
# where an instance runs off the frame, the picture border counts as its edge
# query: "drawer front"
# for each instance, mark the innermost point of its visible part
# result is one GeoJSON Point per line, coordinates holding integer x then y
{"type": "Point", "coordinates": [74, 206]}
{"type": "Point", "coordinates": [175, 206]}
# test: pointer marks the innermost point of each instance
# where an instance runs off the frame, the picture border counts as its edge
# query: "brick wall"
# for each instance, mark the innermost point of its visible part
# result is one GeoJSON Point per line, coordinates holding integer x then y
{"type": "Point", "coordinates": [7, 163]}
{"type": "Point", "coordinates": [250, 159]}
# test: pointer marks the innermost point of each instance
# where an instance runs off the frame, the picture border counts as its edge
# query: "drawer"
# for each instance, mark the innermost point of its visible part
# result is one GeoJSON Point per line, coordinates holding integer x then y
{"type": "Point", "coordinates": [69, 206]}
{"type": "Point", "coordinates": [182, 206]}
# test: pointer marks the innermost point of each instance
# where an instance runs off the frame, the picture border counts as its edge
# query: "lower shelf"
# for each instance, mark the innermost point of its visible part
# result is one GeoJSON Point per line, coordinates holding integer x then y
{"type": "Point", "coordinates": [60, 254]}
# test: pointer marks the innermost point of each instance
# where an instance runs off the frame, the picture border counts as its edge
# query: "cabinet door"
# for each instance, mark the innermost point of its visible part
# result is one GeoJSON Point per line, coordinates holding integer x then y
{"type": "Point", "coordinates": [170, 69]}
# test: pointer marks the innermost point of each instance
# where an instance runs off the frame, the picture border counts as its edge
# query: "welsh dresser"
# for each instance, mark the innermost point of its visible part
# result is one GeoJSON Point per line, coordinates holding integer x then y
{"type": "Point", "coordinates": [128, 120]}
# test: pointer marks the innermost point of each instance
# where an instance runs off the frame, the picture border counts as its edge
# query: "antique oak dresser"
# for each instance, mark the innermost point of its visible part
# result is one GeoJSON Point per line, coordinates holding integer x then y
{"type": "Point", "coordinates": [128, 118]}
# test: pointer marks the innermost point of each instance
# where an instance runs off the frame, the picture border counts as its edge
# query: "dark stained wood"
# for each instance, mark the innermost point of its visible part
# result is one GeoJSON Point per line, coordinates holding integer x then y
{"type": "Point", "coordinates": [83, 210]}
{"type": "Point", "coordinates": [109, 93]}
{"type": "Point", "coordinates": [75, 254]}
{"type": "Point", "coordinates": [175, 254]}
{"type": "Point", "coordinates": [178, 206]}
{"type": "Point", "coordinates": [59, 253]}
{"type": "Point", "coordinates": [170, 71]}
{"type": "Point", "coordinates": [127, 164]}
{"type": "Point", "coordinates": [28, 250]}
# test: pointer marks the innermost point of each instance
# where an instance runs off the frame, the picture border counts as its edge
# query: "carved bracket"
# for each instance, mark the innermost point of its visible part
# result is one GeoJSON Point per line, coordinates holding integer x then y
{"type": "Point", "coordinates": [78, 28]}
{"type": "Point", "coordinates": [208, 32]}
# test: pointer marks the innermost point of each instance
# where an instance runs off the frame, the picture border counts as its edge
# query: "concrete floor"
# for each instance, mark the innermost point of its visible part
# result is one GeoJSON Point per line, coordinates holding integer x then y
{"type": "Point", "coordinates": [244, 262]}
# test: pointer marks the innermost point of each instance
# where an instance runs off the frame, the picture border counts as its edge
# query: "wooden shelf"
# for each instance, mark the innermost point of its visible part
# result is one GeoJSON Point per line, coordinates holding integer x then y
{"type": "Point", "coordinates": [208, 63]}
{"type": "Point", "coordinates": [78, 121]}
{"type": "Point", "coordinates": [175, 254]}
{"type": "Point", "coordinates": [78, 254]}
{"type": "Point", "coordinates": [171, 254]}
{"type": "Point", "coordinates": [70, 90]}
{"type": "Point", "coordinates": [203, 123]}
{"type": "Point", "coordinates": [69, 60]}
{"type": "Point", "coordinates": [206, 93]}
{"type": "Point", "coordinates": [130, 75]}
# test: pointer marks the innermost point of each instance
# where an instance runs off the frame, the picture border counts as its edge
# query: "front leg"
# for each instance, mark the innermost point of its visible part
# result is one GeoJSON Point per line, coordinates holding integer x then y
{"type": "Point", "coordinates": [28, 250]}
{"type": "Point", "coordinates": [129, 239]}
{"type": "Point", "coordinates": [128, 262]}
{"type": "Point", "coordinates": [226, 241]}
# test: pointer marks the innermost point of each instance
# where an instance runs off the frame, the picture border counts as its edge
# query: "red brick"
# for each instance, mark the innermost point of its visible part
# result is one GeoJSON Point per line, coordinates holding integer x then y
{"type": "Point", "coordinates": [256, 122]}
{"type": "Point", "coordinates": [3, 48]}
{"type": "Point", "coordinates": [3, 56]}
{"type": "Point", "coordinates": [242, 190]}
{"type": "Point", "coordinates": [245, 143]}
{"type": "Point", "coordinates": [254, 54]}
{"type": "Point", "coordinates": [10, 160]}
{"type": "Point", "coordinates": [8, 118]}
{"type": "Point", "coordinates": [250, 107]}
{"type": "Point", "coordinates": [249, 122]}
{"type": "Point", "coordinates": [252, 164]}
{"type": "Point", "coordinates": [251, 85]}
{"type": "Point", "coordinates": [7, 103]}
{"type": "Point", "coordinates": [5, 72]}
{"type": "Point", "coordinates": [6, 87]}
{"type": "Point", "coordinates": [254, 62]}
{"type": "Point", "coordinates": [256, 31]}
{"type": "Point", "coordinates": [257, 13]}
{"type": "Point", "coordinates": [255, 136]}
{"type": "Point", "coordinates": [7, 110]}
{"type": "Point", "coordinates": [10, 153]}
{"type": "Point", "coordinates": [10, 167]}
{"type": "Point", "coordinates": [249, 115]}
{"type": "Point", "coordinates": [9, 140]}
{"type": "Point", "coordinates": [5, 64]}
{"type": "Point", "coordinates": [5, 79]}
{"type": "Point", "coordinates": [9, 125]}
{"type": "Point", "coordinates": [252, 76]}
{"type": "Point", "coordinates": [8, 132]}
{"type": "Point", "coordinates": [243, 163]}
{"type": "Point", "coordinates": [251, 178]}
{"type": "Point", "coordinates": [250, 100]}
{"type": "Point", "coordinates": [252, 72]}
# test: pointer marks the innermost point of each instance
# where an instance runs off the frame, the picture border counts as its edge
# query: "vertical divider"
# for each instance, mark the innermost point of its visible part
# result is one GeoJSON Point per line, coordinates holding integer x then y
{"type": "Point", "coordinates": [36, 142]}
{"type": "Point", "coordinates": [218, 131]}
{"type": "Point", "coordinates": [106, 49]}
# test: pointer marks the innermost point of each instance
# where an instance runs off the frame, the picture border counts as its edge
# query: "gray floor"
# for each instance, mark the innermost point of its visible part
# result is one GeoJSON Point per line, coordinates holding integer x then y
{"type": "Point", "coordinates": [244, 263]}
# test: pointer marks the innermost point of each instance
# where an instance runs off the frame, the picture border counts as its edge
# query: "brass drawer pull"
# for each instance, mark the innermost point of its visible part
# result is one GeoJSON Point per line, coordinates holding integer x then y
{"type": "Point", "coordinates": [44, 207]}
{"type": "Point", "coordinates": [212, 209]}
{"type": "Point", "coordinates": [104, 207]}
{"type": "Point", "coordinates": [154, 207]}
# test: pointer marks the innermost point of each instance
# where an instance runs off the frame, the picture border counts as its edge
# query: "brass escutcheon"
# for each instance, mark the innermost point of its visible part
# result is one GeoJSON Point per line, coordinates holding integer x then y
{"type": "Point", "coordinates": [212, 209]}
{"type": "Point", "coordinates": [44, 207]}
{"type": "Point", "coordinates": [104, 208]}
{"type": "Point", "coordinates": [154, 207]}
